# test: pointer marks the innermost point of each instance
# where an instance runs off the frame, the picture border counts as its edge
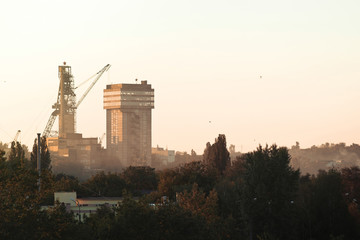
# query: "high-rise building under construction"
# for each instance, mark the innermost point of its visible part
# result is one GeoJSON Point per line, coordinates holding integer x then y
{"type": "Point", "coordinates": [128, 122]}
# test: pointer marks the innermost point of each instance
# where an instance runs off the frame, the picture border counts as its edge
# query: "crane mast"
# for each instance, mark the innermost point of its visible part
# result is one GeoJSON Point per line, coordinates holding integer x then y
{"type": "Point", "coordinates": [65, 106]}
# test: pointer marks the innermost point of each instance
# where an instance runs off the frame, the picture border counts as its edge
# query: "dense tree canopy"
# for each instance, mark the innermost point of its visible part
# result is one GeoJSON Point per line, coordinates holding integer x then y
{"type": "Point", "coordinates": [269, 188]}
{"type": "Point", "coordinates": [259, 196]}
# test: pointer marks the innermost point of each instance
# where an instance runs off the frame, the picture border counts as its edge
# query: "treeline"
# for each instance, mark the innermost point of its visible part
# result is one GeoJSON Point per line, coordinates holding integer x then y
{"type": "Point", "coordinates": [258, 196]}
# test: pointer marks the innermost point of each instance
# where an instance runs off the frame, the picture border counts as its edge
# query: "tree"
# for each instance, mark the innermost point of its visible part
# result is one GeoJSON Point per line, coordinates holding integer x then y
{"type": "Point", "coordinates": [67, 183]}
{"type": "Point", "coordinates": [136, 220]}
{"type": "Point", "coordinates": [57, 223]}
{"type": "Point", "coordinates": [182, 178]}
{"type": "Point", "coordinates": [199, 204]}
{"type": "Point", "coordinates": [2, 156]}
{"type": "Point", "coordinates": [351, 183]}
{"type": "Point", "coordinates": [109, 185]}
{"type": "Point", "coordinates": [140, 178]}
{"type": "Point", "coordinates": [17, 155]}
{"type": "Point", "coordinates": [217, 155]}
{"type": "Point", "coordinates": [177, 223]}
{"type": "Point", "coordinates": [268, 190]}
{"type": "Point", "coordinates": [44, 154]}
{"type": "Point", "coordinates": [102, 223]}
{"type": "Point", "coordinates": [19, 203]}
{"type": "Point", "coordinates": [328, 209]}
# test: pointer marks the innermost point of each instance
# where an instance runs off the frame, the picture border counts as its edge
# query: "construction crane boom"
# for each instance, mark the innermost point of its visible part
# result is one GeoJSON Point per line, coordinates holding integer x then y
{"type": "Point", "coordinates": [101, 138]}
{"type": "Point", "coordinates": [17, 135]}
{"type": "Point", "coordinates": [99, 74]}
{"type": "Point", "coordinates": [50, 123]}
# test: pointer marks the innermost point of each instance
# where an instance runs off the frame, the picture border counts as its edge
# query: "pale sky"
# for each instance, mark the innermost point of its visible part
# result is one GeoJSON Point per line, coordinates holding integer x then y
{"type": "Point", "coordinates": [204, 58]}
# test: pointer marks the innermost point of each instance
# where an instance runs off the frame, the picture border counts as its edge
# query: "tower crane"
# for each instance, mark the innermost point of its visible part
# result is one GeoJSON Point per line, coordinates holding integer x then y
{"type": "Point", "coordinates": [99, 74]}
{"type": "Point", "coordinates": [101, 138]}
{"type": "Point", "coordinates": [15, 138]}
{"type": "Point", "coordinates": [17, 135]}
{"type": "Point", "coordinates": [56, 106]}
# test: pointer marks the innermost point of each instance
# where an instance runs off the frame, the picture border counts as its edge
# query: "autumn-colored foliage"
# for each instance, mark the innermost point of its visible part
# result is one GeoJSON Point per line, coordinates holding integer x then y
{"type": "Point", "coordinates": [258, 196]}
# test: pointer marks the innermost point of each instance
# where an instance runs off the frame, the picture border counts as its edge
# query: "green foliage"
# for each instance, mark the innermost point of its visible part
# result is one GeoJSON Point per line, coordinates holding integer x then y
{"type": "Point", "coordinates": [199, 204]}
{"type": "Point", "coordinates": [228, 193]}
{"type": "Point", "coordinates": [351, 190]}
{"type": "Point", "coordinates": [229, 190]}
{"type": "Point", "coordinates": [17, 155]}
{"type": "Point", "coordinates": [19, 204]}
{"type": "Point", "coordinates": [67, 183]}
{"type": "Point", "coordinates": [182, 178]}
{"type": "Point", "coordinates": [326, 198]}
{"type": "Point", "coordinates": [136, 220]}
{"type": "Point", "coordinates": [266, 236]}
{"type": "Point", "coordinates": [176, 223]}
{"type": "Point", "coordinates": [167, 182]}
{"type": "Point", "coordinates": [101, 184]}
{"type": "Point", "coordinates": [57, 223]}
{"type": "Point", "coordinates": [268, 189]}
{"type": "Point", "coordinates": [44, 155]}
{"type": "Point", "coordinates": [103, 223]}
{"type": "Point", "coordinates": [20, 211]}
{"type": "Point", "coordinates": [216, 155]}
{"type": "Point", "coordinates": [2, 157]}
{"type": "Point", "coordinates": [140, 178]}
{"type": "Point", "coordinates": [259, 196]}
{"type": "Point", "coordinates": [132, 179]}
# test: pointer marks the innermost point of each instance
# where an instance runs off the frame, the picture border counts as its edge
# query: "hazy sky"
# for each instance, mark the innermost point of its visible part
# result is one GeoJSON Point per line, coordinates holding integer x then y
{"type": "Point", "coordinates": [203, 58]}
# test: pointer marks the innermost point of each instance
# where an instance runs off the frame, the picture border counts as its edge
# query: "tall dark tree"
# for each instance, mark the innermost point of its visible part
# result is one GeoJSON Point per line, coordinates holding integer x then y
{"type": "Point", "coordinates": [44, 155]}
{"type": "Point", "coordinates": [17, 155]}
{"type": "Point", "coordinates": [268, 191]}
{"type": "Point", "coordinates": [2, 156]}
{"type": "Point", "coordinates": [327, 207]}
{"type": "Point", "coordinates": [19, 203]}
{"type": "Point", "coordinates": [351, 190]}
{"type": "Point", "coordinates": [217, 155]}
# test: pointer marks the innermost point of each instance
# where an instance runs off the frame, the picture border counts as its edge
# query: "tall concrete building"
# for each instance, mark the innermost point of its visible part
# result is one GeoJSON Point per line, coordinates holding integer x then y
{"type": "Point", "coordinates": [128, 122]}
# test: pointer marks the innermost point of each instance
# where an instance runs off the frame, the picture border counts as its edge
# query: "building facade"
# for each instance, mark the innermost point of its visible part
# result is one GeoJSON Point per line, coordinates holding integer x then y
{"type": "Point", "coordinates": [128, 122]}
{"type": "Point", "coordinates": [161, 157]}
{"type": "Point", "coordinates": [82, 207]}
{"type": "Point", "coordinates": [85, 151]}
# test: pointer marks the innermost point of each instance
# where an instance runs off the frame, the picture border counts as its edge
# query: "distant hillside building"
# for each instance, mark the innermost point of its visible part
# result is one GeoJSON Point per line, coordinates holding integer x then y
{"type": "Point", "coordinates": [128, 122]}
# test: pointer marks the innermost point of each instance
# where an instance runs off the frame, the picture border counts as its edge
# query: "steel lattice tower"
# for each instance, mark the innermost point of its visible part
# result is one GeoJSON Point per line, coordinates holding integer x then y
{"type": "Point", "coordinates": [67, 101]}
